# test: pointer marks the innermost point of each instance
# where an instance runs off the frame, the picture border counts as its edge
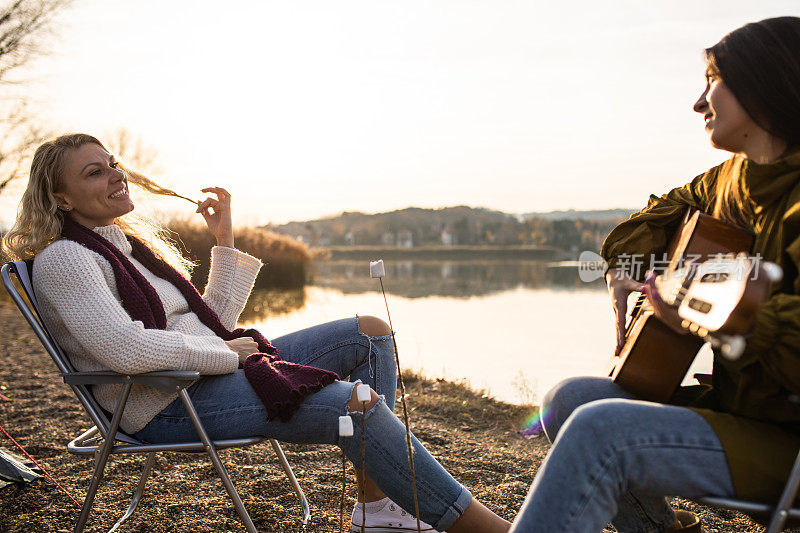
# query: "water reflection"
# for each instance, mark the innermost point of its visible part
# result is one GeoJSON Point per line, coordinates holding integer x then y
{"type": "Point", "coordinates": [457, 279]}
{"type": "Point", "coordinates": [515, 344]}
{"type": "Point", "coordinates": [265, 303]}
{"type": "Point", "coordinates": [506, 327]}
{"type": "Point", "coordinates": [419, 279]}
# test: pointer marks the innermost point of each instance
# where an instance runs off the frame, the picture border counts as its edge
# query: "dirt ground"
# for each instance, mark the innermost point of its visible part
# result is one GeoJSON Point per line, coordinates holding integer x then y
{"type": "Point", "coordinates": [473, 436]}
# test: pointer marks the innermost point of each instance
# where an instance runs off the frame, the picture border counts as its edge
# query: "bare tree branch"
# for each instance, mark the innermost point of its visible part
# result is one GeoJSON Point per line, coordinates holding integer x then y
{"type": "Point", "coordinates": [25, 26]}
{"type": "Point", "coordinates": [132, 150]}
{"type": "Point", "coordinates": [20, 134]}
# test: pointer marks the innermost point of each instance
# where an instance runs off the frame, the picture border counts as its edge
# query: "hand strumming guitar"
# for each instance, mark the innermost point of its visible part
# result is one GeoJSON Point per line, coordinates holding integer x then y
{"type": "Point", "coordinates": [620, 285]}
{"type": "Point", "coordinates": [668, 314]}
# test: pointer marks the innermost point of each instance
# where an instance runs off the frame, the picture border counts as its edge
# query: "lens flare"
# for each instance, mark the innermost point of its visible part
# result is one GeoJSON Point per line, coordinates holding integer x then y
{"type": "Point", "coordinates": [534, 423]}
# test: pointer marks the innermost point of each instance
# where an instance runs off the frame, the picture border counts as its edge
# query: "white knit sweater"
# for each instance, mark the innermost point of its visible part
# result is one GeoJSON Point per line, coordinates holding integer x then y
{"type": "Point", "coordinates": [80, 304]}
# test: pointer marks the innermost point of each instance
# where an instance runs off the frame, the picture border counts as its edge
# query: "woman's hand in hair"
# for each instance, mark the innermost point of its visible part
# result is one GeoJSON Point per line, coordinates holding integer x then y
{"type": "Point", "coordinates": [243, 346]}
{"type": "Point", "coordinates": [620, 285]}
{"type": "Point", "coordinates": [217, 213]}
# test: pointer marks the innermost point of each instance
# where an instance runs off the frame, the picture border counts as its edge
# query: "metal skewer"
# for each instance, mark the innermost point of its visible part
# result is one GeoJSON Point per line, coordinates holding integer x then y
{"type": "Point", "coordinates": [345, 430]}
{"type": "Point", "coordinates": [377, 270]}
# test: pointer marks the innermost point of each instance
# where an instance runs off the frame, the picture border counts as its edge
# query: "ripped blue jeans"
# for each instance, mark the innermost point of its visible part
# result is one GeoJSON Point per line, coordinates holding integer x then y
{"type": "Point", "coordinates": [229, 408]}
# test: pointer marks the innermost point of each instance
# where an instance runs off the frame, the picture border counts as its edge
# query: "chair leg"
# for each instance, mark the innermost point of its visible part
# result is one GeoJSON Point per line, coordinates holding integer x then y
{"type": "Point", "coordinates": [137, 496]}
{"type": "Point", "coordinates": [215, 460]}
{"type": "Point", "coordinates": [292, 479]}
{"type": "Point", "coordinates": [97, 475]}
{"type": "Point", "coordinates": [781, 513]}
{"type": "Point", "coordinates": [102, 454]}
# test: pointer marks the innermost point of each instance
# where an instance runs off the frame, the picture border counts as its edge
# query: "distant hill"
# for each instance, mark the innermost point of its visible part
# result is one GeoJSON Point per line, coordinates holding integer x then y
{"type": "Point", "coordinates": [572, 214]}
{"type": "Point", "coordinates": [458, 226]}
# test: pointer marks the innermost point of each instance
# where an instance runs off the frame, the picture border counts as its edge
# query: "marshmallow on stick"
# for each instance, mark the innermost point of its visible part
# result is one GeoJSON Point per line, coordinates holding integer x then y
{"type": "Point", "coordinates": [345, 430]}
{"type": "Point", "coordinates": [376, 269]}
{"type": "Point", "coordinates": [345, 426]}
{"type": "Point", "coordinates": [363, 393]}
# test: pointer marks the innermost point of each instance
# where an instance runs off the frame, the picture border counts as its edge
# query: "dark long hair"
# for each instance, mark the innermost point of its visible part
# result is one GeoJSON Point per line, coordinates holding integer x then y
{"type": "Point", "coordinates": [760, 64]}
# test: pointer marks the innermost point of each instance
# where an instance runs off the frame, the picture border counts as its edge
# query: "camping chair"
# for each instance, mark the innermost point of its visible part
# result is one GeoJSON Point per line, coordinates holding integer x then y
{"type": "Point", "coordinates": [105, 438]}
{"type": "Point", "coordinates": [778, 515]}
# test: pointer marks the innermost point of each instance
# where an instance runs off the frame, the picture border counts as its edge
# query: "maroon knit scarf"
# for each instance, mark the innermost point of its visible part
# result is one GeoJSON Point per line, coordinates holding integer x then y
{"type": "Point", "coordinates": [281, 385]}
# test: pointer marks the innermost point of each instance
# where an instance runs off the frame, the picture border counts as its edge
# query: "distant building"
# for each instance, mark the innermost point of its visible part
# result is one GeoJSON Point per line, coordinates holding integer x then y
{"type": "Point", "coordinates": [405, 239]}
{"type": "Point", "coordinates": [448, 237]}
{"type": "Point", "coordinates": [388, 239]}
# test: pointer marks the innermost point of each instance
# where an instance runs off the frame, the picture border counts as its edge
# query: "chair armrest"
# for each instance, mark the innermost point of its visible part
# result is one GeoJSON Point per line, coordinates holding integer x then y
{"type": "Point", "coordinates": [164, 380]}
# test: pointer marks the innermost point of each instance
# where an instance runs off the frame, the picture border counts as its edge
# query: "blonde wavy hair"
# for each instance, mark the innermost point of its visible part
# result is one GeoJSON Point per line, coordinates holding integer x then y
{"type": "Point", "coordinates": [39, 221]}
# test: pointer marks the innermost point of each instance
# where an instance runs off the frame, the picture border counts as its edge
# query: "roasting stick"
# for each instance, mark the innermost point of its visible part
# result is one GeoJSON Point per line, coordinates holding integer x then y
{"type": "Point", "coordinates": [345, 430]}
{"type": "Point", "coordinates": [377, 270]}
{"type": "Point", "coordinates": [363, 394]}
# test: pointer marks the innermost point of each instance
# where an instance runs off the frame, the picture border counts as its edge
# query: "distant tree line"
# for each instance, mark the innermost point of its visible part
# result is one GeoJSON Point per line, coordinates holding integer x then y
{"type": "Point", "coordinates": [452, 226]}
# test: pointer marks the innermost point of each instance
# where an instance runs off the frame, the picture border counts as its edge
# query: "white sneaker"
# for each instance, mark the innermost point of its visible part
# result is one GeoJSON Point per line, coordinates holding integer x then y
{"type": "Point", "coordinates": [391, 519]}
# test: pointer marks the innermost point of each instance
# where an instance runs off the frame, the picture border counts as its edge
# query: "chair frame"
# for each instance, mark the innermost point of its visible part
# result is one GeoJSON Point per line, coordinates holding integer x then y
{"type": "Point", "coordinates": [779, 514]}
{"type": "Point", "coordinates": [114, 441]}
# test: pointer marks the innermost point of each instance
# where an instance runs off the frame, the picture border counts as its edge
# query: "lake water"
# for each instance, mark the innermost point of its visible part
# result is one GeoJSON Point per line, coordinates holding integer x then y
{"type": "Point", "coordinates": [513, 329]}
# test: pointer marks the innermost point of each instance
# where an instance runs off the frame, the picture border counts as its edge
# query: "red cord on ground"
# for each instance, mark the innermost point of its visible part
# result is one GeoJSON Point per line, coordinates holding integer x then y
{"type": "Point", "coordinates": [40, 467]}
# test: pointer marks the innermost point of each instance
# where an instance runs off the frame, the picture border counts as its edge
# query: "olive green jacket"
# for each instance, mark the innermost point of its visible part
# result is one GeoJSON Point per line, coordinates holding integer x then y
{"type": "Point", "coordinates": [753, 405]}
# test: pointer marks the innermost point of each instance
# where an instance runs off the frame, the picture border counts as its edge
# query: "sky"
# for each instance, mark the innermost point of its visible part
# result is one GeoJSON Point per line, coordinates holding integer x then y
{"type": "Point", "coordinates": [307, 108]}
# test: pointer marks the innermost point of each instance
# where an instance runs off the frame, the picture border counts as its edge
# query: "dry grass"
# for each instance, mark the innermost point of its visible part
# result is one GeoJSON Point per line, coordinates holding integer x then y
{"type": "Point", "coordinates": [474, 437]}
{"type": "Point", "coordinates": [286, 260]}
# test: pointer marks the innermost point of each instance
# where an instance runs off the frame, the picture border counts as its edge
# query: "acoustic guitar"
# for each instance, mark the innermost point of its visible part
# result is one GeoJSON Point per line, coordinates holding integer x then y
{"type": "Point", "coordinates": [655, 358]}
{"type": "Point", "coordinates": [717, 300]}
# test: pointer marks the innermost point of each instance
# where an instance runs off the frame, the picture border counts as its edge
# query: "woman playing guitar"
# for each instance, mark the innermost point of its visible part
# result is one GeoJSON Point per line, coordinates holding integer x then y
{"type": "Point", "coordinates": [614, 458]}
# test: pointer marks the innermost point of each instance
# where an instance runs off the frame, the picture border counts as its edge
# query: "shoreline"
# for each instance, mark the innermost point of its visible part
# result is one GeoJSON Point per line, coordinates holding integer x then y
{"type": "Point", "coordinates": [441, 253]}
{"type": "Point", "coordinates": [474, 437]}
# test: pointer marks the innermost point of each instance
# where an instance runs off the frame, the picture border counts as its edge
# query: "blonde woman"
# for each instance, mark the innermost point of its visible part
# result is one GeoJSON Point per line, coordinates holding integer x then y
{"type": "Point", "coordinates": [115, 295]}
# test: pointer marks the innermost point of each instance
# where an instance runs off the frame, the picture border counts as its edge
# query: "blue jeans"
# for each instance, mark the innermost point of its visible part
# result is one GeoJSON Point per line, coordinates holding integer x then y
{"type": "Point", "coordinates": [229, 408]}
{"type": "Point", "coordinates": [615, 458]}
